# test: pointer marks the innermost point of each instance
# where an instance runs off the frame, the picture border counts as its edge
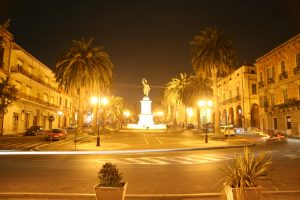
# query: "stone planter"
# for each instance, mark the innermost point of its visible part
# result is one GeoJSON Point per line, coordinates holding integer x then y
{"type": "Point", "coordinates": [251, 193]}
{"type": "Point", "coordinates": [110, 193]}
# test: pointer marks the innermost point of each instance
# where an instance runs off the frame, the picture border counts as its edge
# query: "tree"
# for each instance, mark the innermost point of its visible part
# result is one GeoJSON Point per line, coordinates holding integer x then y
{"type": "Point", "coordinates": [8, 95]}
{"type": "Point", "coordinates": [85, 69]}
{"type": "Point", "coordinates": [185, 90]}
{"type": "Point", "coordinates": [212, 57]}
{"type": "Point", "coordinates": [115, 108]}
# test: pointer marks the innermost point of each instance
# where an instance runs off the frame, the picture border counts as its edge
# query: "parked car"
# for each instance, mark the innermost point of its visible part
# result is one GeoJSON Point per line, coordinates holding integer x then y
{"type": "Point", "coordinates": [34, 130]}
{"type": "Point", "coordinates": [190, 126]}
{"type": "Point", "coordinates": [227, 130]}
{"type": "Point", "coordinates": [56, 134]}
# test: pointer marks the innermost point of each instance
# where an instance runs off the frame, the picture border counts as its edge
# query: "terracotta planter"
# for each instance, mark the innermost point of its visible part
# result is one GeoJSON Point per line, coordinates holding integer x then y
{"type": "Point", "coordinates": [251, 193]}
{"type": "Point", "coordinates": [110, 193]}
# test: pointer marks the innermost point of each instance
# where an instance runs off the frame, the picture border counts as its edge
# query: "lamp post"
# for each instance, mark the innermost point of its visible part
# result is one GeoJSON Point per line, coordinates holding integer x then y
{"type": "Point", "coordinates": [97, 101]}
{"type": "Point", "coordinates": [205, 106]}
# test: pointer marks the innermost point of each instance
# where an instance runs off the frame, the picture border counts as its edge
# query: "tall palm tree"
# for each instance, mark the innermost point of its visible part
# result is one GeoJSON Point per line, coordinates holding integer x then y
{"type": "Point", "coordinates": [84, 68]}
{"type": "Point", "coordinates": [8, 95]}
{"type": "Point", "coordinates": [185, 90]}
{"type": "Point", "coordinates": [212, 57]}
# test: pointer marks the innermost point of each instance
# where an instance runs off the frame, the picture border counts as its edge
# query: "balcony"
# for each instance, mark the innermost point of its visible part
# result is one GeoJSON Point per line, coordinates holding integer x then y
{"type": "Point", "coordinates": [297, 70]}
{"type": "Point", "coordinates": [271, 81]}
{"type": "Point", "coordinates": [261, 84]}
{"type": "Point", "coordinates": [20, 69]}
{"type": "Point", "coordinates": [36, 100]}
{"type": "Point", "coordinates": [231, 100]}
{"type": "Point", "coordinates": [289, 104]}
{"type": "Point", "coordinates": [283, 75]}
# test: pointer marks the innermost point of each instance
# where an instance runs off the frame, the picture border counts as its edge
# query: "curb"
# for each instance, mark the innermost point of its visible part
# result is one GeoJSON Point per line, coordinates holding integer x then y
{"type": "Point", "coordinates": [27, 195]}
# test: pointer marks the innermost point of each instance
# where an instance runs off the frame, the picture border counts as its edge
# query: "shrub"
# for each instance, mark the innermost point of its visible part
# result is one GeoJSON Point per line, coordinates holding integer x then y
{"type": "Point", "coordinates": [109, 176]}
{"type": "Point", "coordinates": [247, 169]}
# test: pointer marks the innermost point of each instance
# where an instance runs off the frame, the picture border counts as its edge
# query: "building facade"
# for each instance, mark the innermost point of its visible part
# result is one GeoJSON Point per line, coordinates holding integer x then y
{"type": "Point", "coordinates": [238, 98]}
{"type": "Point", "coordinates": [40, 100]}
{"type": "Point", "coordinates": [278, 75]}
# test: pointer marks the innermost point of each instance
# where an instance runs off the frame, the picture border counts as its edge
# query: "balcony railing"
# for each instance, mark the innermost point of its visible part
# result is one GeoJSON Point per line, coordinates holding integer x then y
{"type": "Point", "coordinates": [261, 84]}
{"type": "Point", "coordinates": [270, 80]}
{"type": "Point", "coordinates": [20, 69]}
{"type": "Point", "coordinates": [290, 103]}
{"type": "Point", "coordinates": [283, 75]}
{"type": "Point", "coordinates": [231, 100]}
{"type": "Point", "coordinates": [297, 69]}
{"type": "Point", "coordinates": [36, 100]}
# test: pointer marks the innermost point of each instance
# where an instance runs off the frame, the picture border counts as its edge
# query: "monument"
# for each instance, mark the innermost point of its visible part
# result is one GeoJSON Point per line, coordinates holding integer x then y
{"type": "Point", "coordinates": [146, 116]}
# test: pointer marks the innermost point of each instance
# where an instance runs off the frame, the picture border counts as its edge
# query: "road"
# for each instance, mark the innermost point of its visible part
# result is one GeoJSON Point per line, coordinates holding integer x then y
{"type": "Point", "coordinates": [147, 173]}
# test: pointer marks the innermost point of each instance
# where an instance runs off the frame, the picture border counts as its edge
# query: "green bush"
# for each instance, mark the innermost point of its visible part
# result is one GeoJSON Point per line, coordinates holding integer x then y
{"type": "Point", "coordinates": [247, 169]}
{"type": "Point", "coordinates": [109, 176]}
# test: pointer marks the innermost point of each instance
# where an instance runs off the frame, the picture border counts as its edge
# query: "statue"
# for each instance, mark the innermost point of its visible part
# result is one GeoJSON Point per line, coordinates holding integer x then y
{"type": "Point", "coordinates": [146, 88]}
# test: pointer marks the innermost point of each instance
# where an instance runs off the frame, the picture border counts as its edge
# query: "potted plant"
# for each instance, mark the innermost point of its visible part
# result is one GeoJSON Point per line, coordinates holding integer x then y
{"type": "Point", "coordinates": [244, 175]}
{"type": "Point", "coordinates": [110, 186]}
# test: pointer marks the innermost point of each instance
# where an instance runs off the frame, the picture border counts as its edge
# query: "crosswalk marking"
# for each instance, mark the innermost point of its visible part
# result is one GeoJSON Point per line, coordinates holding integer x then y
{"type": "Point", "coordinates": [18, 145]}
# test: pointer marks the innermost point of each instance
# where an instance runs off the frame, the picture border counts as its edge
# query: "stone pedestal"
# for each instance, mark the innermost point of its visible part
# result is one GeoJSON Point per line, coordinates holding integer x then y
{"type": "Point", "coordinates": [146, 117]}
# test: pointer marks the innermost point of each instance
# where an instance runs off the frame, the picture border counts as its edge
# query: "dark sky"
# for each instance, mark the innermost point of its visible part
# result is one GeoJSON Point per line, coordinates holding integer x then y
{"type": "Point", "coordinates": [149, 38]}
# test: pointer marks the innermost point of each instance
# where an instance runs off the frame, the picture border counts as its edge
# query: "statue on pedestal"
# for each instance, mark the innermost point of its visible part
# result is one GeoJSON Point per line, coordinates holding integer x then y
{"type": "Point", "coordinates": [146, 88]}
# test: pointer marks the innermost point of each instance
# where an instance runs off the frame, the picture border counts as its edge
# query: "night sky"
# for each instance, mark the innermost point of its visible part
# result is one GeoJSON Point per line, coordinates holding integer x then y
{"type": "Point", "coordinates": [148, 38]}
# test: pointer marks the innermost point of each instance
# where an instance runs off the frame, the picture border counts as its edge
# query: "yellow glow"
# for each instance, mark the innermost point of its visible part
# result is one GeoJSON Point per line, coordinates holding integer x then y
{"type": "Point", "coordinates": [60, 113]}
{"type": "Point", "coordinates": [104, 101]}
{"type": "Point", "coordinates": [94, 100]}
{"type": "Point", "coordinates": [201, 103]}
{"type": "Point", "coordinates": [126, 113]}
{"type": "Point", "coordinates": [189, 111]}
{"type": "Point", "coordinates": [160, 113]}
{"type": "Point", "coordinates": [209, 103]}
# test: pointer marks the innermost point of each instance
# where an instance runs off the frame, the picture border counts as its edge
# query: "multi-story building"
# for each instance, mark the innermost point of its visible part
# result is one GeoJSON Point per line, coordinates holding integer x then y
{"type": "Point", "coordinates": [278, 74]}
{"type": "Point", "coordinates": [238, 98]}
{"type": "Point", "coordinates": [40, 100]}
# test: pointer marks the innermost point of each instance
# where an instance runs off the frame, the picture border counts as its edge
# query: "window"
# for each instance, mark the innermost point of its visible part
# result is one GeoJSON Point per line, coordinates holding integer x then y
{"type": "Point", "coordinates": [28, 90]}
{"type": "Point", "coordinates": [20, 62]}
{"type": "Point", "coordinates": [46, 97]}
{"type": "Point", "coordinates": [271, 72]}
{"type": "Point", "coordinates": [285, 95]}
{"type": "Point", "coordinates": [47, 79]}
{"type": "Point", "coordinates": [260, 76]}
{"type": "Point", "coordinates": [282, 65]}
{"type": "Point", "coordinates": [60, 101]}
{"type": "Point", "coordinates": [253, 87]}
{"type": "Point", "coordinates": [66, 103]}
{"type": "Point", "coordinates": [1, 56]}
{"type": "Point", "coordinates": [261, 101]}
{"type": "Point", "coordinates": [223, 96]}
{"type": "Point", "coordinates": [288, 122]}
{"type": "Point", "coordinates": [272, 99]}
{"type": "Point", "coordinates": [298, 60]}
{"type": "Point", "coordinates": [52, 100]}
{"type": "Point", "coordinates": [237, 91]}
{"type": "Point", "coordinates": [18, 85]}
{"type": "Point", "coordinates": [275, 123]}
{"type": "Point", "coordinates": [30, 69]}
{"type": "Point", "coordinates": [230, 94]}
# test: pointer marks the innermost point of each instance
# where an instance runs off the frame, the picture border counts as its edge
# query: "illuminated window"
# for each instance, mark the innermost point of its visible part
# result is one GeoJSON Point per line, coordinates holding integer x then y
{"type": "Point", "coordinates": [271, 73]}
{"type": "Point", "coordinates": [260, 76]}
{"type": "Point", "coordinates": [285, 95]}
{"type": "Point", "coordinates": [272, 99]}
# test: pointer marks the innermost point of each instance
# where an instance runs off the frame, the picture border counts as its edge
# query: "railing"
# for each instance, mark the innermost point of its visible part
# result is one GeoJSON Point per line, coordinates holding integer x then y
{"type": "Point", "coordinates": [261, 84]}
{"type": "Point", "coordinates": [20, 69]}
{"type": "Point", "coordinates": [290, 103]}
{"type": "Point", "coordinates": [231, 100]}
{"type": "Point", "coordinates": [270, 80]}
{"type": "Point", "coordinates": [36, 100]}
{"type": "Point", "coordinates": [283, 75]}
{"type": "Point", "coordinates": [297, 69]}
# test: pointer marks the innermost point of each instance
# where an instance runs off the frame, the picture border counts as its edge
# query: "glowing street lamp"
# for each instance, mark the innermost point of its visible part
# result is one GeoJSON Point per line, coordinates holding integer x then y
{"type": "Point", "coordinates": [97, 101]}
{"type": "Point", "coordinates": [205, 106]}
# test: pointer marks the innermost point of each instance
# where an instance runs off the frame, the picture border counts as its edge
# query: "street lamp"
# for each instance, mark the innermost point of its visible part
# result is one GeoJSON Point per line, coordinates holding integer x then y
{"type": "Point", "coordinates": [205, 105]}
{"type": "Point", "coordinates": [97, 101]}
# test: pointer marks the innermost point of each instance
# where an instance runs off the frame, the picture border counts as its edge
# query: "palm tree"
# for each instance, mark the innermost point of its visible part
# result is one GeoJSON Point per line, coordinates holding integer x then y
{"type": "Point", "coordinates": [8, 94]}
{"type": "Point", "coordinates": [185, 90]}
{"type": "Point", "coordinates": [212, 57]}
{"type": "Point", "coordinates": [115, 108]}
{"type": "Point", "coordinates": [85, 69]}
